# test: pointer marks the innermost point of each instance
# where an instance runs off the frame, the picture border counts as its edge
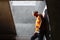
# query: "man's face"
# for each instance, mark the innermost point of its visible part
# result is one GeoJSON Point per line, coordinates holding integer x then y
{"type": "Point", "coordinates": [35, 14]}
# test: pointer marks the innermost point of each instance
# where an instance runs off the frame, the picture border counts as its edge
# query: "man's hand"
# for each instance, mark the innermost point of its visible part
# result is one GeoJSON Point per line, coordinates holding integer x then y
{"type": "Point", "coordinates": [35, 34]}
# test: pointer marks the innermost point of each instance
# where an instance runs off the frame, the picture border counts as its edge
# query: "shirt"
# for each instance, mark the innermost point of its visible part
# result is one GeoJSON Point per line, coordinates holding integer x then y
{"type": "Point", "coordinates": [38, 24]}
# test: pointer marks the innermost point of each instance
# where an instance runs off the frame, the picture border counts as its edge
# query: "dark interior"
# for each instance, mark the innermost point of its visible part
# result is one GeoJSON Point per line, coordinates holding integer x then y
{"type": "Point", "coordinates": [7, 27]}
{"type": "Point", "coordinates": [53, 11]}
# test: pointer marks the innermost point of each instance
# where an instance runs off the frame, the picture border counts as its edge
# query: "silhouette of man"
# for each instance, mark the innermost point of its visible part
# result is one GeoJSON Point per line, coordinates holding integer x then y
{"type": "Point", "coordinates": [41, 26]}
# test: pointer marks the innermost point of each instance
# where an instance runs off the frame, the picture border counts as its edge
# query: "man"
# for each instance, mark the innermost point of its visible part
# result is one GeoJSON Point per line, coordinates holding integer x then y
{"type": "Point", "coordinates": [37, 25]}
{"type": "Point", "coordinates": [41, 27]}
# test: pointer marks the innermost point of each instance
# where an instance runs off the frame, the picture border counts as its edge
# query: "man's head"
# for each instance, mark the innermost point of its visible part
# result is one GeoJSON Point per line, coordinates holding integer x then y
{"type": "Point", "coordinates": [35, 13]}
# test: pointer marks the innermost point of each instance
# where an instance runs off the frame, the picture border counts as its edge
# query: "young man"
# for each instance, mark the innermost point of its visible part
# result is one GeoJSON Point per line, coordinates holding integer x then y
{"type": "Point", "coordinates": [37, 26]}
{"type": "Point", "coordinates": [41, 27]}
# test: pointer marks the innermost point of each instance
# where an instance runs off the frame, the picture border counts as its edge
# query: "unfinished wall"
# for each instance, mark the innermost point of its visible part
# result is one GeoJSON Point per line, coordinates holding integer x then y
{"type": "Point", "coordinates": [6, 20]}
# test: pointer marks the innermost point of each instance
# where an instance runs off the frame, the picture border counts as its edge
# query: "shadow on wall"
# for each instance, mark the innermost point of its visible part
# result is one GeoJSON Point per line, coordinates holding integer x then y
{"type": "Point", "coordinates": [6, 22]}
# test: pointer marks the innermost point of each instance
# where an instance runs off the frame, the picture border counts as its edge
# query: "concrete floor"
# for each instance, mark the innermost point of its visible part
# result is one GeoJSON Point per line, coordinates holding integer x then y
{"type": "Point", "coordinates": [25, 31]}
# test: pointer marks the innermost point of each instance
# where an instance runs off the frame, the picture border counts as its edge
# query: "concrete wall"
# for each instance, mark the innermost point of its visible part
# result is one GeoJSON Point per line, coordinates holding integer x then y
{"type": "Point", "coordinates": [24, 20]}
{"type": "Point", "coordinates": [54, 11]}
{"type": "Point", "coordinates": [40, 6]}
{"type": "Point", "coordinates": [6, 21]}
{"type": "Point", "coordinates": [23, 14]}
